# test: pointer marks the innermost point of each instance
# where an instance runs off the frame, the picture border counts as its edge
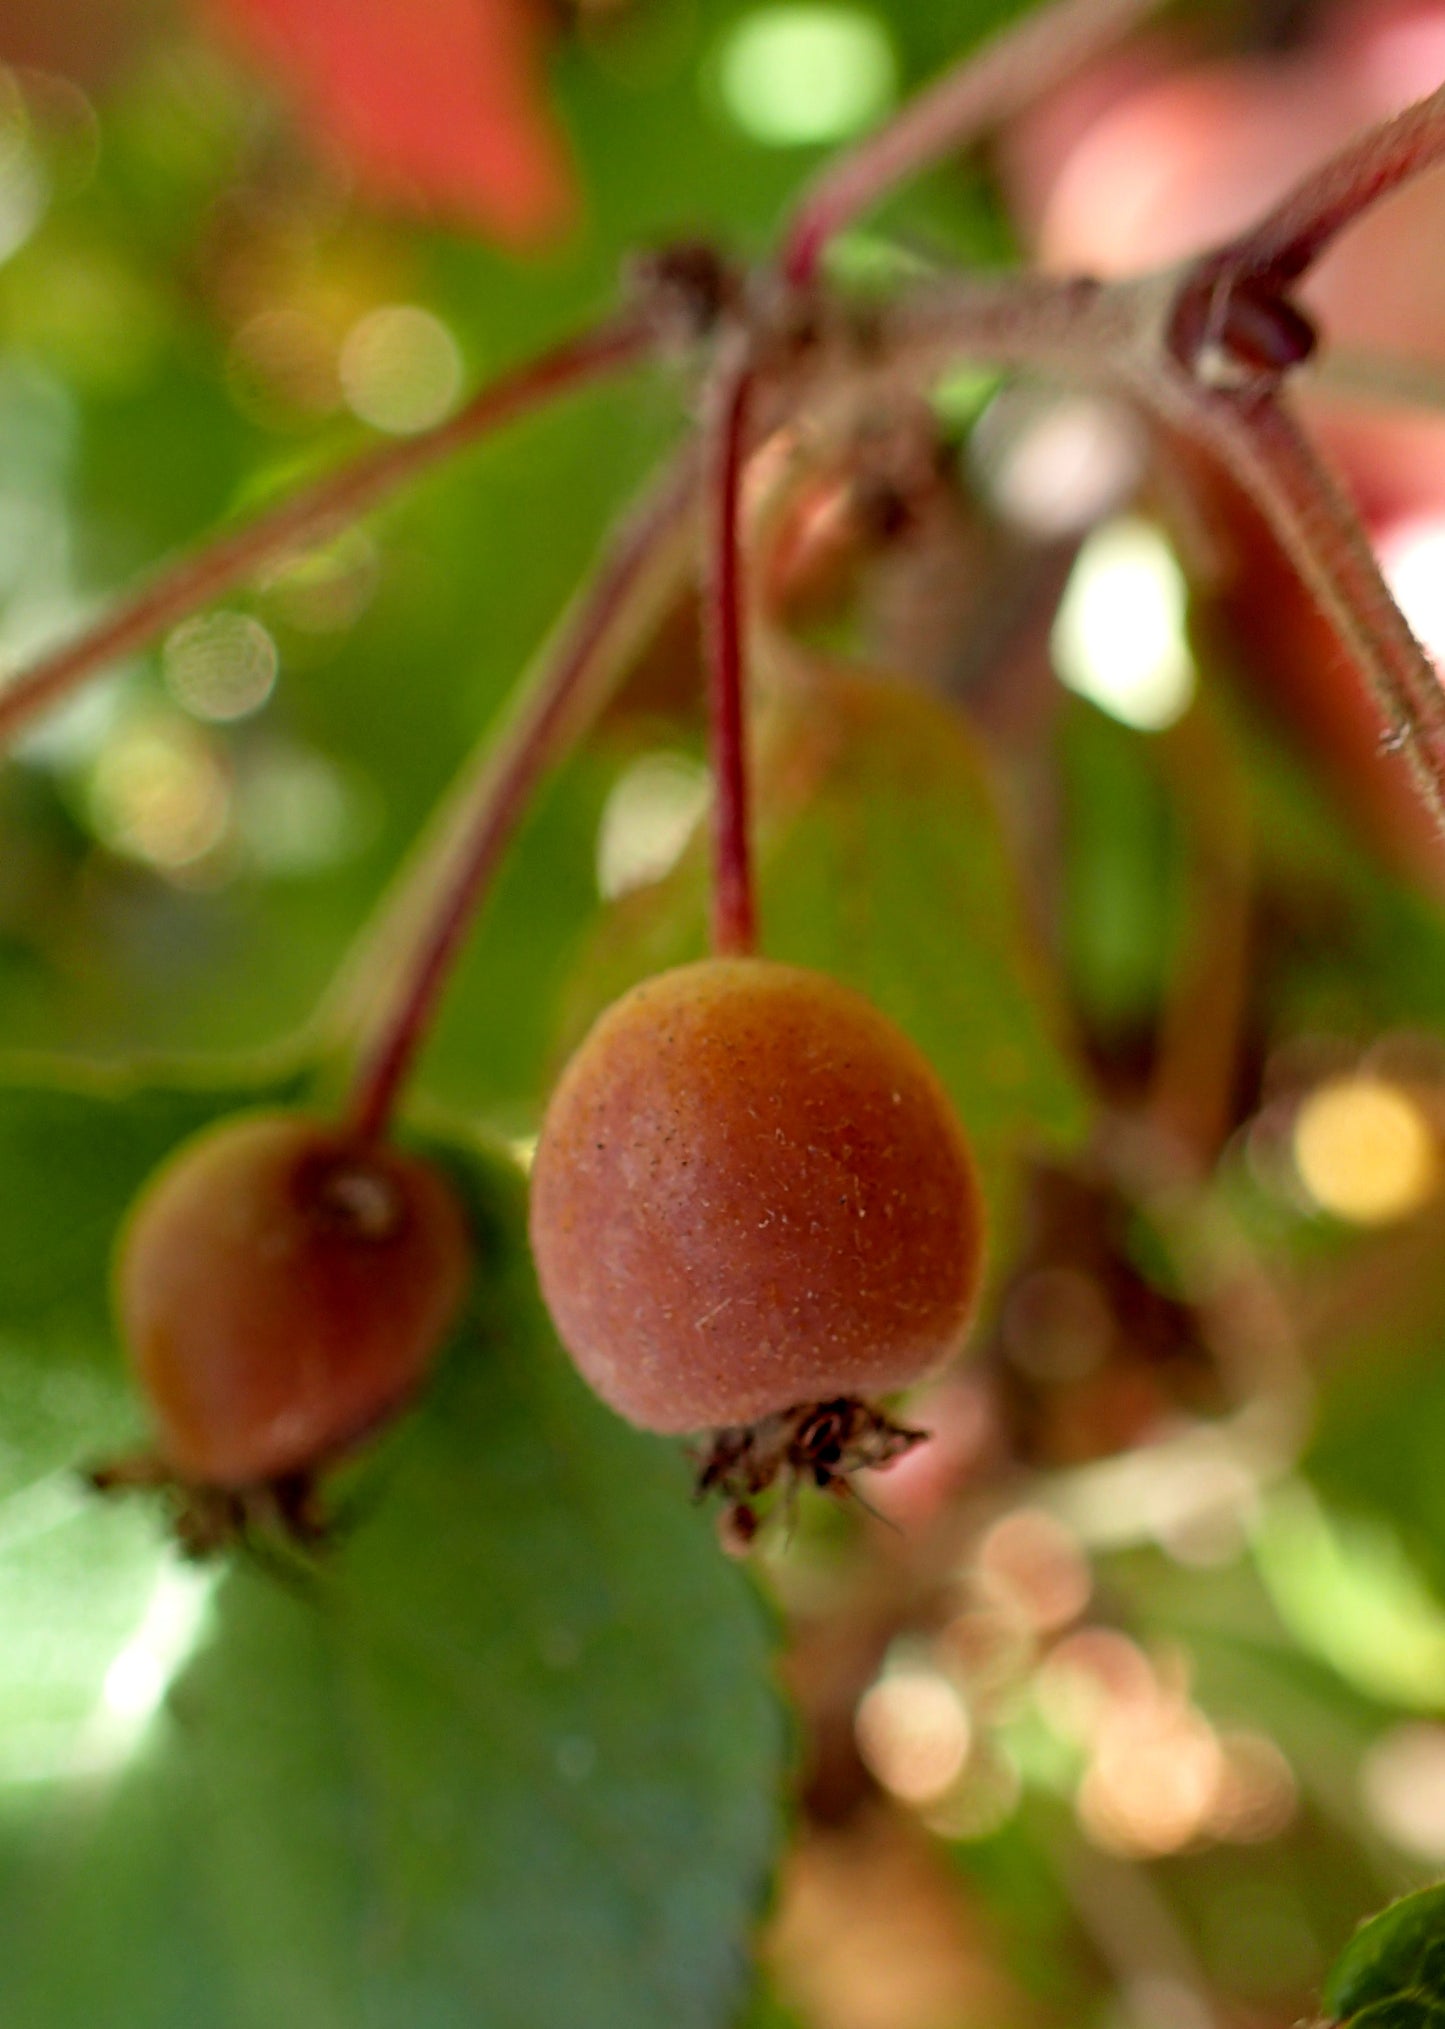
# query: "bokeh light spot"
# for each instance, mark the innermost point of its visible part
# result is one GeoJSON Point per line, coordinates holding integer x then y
{"type": "Point", "coordinates": [1119, 638]}
{"type": "Point", "coordinates": [1154, 1781]}
{"type": "Point", "coordinates": [913, 1733]}
{"type": "Point", "coordinates": [1053, 465]}
{"type": "Point", "coordinates": [158, 794]}
{"type": "Point", "coordinates": [1364, 1151]}
{"type": "Point", "coordinates": [297, 814]}
{"type": "Point", "coordinates": [1034, 1561]}
{"type": "Point", "coordinates": [1403, 1782]}
{"type": "Point", "coordinates": [1088, 1679]}
{"type": "Point", "coordinates": [1412, 558]}
{"type": "Point", "coordinates": [401, 369]}
{"type": "Point", "coordinates": [794, 75]}
{"type": "Point", "coordinates": [1257, 1796]}
{"type": "Point", "coordinates": [652, 811]}
{"type": "Point", "coordinates": [175, 1622]}
{"type": "Point", "coordinates": [220, 666]}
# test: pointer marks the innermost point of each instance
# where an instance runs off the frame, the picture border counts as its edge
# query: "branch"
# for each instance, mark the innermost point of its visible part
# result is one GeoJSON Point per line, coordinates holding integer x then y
{"type": "Point", "coordinates": [420, 929]}
{"type": "Point", "coordinates": [1233, 323]}
{"type": "Point", "coordinates": [992, 84]}
{"type": "Point", "coordinates": [1293, 235]}
{"type": "Point", "coordinates": [1260, 443]}
{"type": "Point", "coordinates": [734, 907]}
{"type": "Point", "coordinates": [339, 497]}
{"type": "Point", "coordinates": [1070, 325]}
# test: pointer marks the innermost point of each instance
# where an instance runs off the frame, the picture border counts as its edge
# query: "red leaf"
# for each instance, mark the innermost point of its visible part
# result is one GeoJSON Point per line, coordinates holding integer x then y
{"type": "Point", "coordinates": [438, 102]}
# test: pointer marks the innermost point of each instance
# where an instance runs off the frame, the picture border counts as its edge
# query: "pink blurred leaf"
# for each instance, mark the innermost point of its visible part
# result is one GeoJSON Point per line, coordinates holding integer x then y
{"type": "Point", "coordinates": [438, 103]}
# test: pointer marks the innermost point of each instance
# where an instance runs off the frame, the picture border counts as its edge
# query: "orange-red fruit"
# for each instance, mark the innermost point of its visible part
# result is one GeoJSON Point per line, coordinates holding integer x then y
{"type": "Point", "coordinates": [750, 1192]}
{"type": "Point", "coordinates": [280, 1289]}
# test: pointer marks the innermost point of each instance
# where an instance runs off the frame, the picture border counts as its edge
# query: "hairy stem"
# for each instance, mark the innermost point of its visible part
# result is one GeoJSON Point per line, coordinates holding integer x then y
{"type": "Point", "coordinates": [392, 987]}
{"type": "Point", "coordinates": [341, 496]}
{"type": "Point", "coordinates": [987, 88]}
{"type": "Point", "coordinates": [734, 905]}
{"type": "Point", "coordinates": [1072, 326]}
{"type": "Point", "coordinates": [1297, 230]}
{"type": "Point", "coordinates": [1266, 451]}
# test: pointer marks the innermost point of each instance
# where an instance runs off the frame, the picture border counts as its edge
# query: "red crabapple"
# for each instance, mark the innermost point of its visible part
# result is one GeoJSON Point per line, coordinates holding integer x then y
{"type": "Point", "coordinates": [753, 1208]}
{"type": "Point", "coordinates": [282, 1288]}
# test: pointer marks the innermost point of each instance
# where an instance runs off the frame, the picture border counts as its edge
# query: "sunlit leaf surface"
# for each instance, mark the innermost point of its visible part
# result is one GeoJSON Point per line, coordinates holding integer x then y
{"type": "Point", "coordinates": [508, 1752]}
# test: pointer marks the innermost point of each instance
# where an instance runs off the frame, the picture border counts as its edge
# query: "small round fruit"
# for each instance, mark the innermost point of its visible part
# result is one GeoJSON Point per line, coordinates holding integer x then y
{"type": "Point", "coordinates": [751, 1192]}
{"type": "Point", "coordinates": [281, 1288]}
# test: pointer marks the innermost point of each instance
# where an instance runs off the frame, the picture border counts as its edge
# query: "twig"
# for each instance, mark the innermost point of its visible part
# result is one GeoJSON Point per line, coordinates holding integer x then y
{"type": "Point", "coordinates": [1070, 325]}
{"type": "Point", "coordinates": [987, 88]}
{"type": "Point", "coordinates": [1260, 443]}
{"type": "Point", "coordinates": [420, 930]}
{"type": "Point", "coordinates": [1233, 335]}
{"type": "Point", "coordinates": [341, 496]}
{"type": "Point", "coordinates": [734, 906]}
{"type": "Point", "coordinates": [1234, 312]}
{"type": "Point", "coordinates": [1293, 235]}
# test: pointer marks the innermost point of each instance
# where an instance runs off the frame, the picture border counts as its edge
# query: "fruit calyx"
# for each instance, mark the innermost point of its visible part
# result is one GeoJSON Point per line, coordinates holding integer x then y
{"type": "Point", "coordinates": [206, 1520]}
{"type": "Point", "coordinates": [820, 1444]}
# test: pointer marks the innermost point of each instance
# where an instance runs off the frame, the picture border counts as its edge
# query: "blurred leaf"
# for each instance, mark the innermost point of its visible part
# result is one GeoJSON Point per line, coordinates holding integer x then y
{"type": "Point", "coordinates": [1348, 1592]}
{"type": "Point", "coordinates": [440, 101]}
{"type": "Point", "coordinates": [1121, 875]}
{"type": "Point", "coordinates": [881, 860]}
{"type": "Point", "coordinates": [768, 2012]}
{"type": "Point", "coordinates": [507, 1754]}
{"type": "Point", "coordinates": [1391, 1975]}
{"type": "Point", "coordinates": [1381, 1419]}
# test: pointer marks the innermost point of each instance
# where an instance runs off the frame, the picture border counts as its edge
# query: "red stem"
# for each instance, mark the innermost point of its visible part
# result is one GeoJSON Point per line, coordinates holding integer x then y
{"type": "Point", "coordinates": [734, 909]}
{"type": "Point", "coordinates": [339, 497]}
{"type": "Point", "coordinates": [983, 91]}
{"type": "Point", "coordinates": [1296, 232]}
{"type": "Point", "coordinates": [550, 711]}
{"type": "Point", "coordinates": [1270, 456]}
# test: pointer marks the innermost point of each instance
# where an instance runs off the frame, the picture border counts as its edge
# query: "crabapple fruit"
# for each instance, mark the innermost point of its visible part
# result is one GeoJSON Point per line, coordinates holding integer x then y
{"type": "Point", "coordinates": [281, 1288]}
{"type": "Point", "coordinates": [752, 1199]}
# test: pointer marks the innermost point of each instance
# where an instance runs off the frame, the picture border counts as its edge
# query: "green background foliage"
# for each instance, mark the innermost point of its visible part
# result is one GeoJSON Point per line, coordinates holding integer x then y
{"type": "Point", "coordinates": [514, 1752]}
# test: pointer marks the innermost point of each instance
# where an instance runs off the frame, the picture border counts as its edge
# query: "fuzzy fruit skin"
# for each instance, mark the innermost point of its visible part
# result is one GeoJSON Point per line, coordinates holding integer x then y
{"type": "Point", "coordinates": [751, 1191]}
{"type": "Point", "coordinates": [280, 1289]}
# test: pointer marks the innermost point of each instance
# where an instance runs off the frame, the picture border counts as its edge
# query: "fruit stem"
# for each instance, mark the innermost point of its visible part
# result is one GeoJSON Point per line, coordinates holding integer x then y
{"type": "Point", "coordinates": [734, 907]}
{"type": "Point", "coordinates": [1260, 444]}
{"type": "Point", "coordinates": [339, 497]}
{"type": "Point", "coordinates": [991, 84]}
{"type": "Point", "coordinates": [405, 958]}
{"type": "Point", "coordinates": [1294, 233]}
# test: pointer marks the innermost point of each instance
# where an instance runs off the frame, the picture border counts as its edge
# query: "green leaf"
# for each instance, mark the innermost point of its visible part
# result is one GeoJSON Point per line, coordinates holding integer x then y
{"type": "Point", "coordinates": [881, 860]}
{"type": "Point", "coordinates": [1391, 1975]}
{"type": "Point", "coordinates": [507, 1754]}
